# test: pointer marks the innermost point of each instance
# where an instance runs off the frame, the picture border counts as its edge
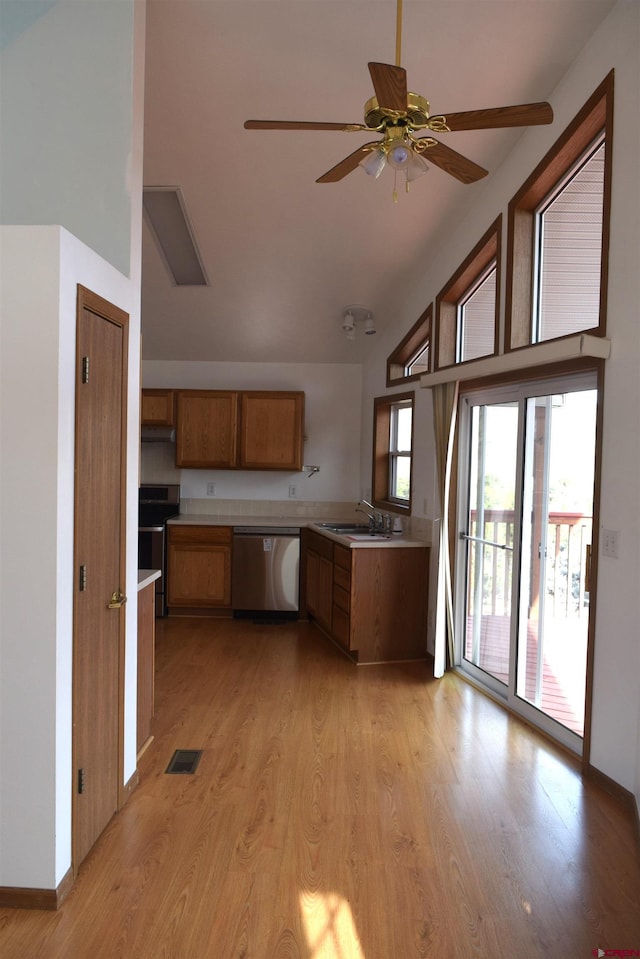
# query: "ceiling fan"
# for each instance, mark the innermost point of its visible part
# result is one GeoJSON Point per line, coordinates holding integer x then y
{"type": "Point", "coordinates": [402, 118]}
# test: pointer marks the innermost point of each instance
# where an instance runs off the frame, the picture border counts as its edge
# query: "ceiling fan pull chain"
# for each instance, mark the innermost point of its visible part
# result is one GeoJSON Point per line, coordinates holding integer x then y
{"type": "Point", "coordinates": [395, 186]}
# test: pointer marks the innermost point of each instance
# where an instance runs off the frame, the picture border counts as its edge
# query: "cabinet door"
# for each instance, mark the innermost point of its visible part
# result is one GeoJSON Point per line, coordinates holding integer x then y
{"type": "Point", "coordinates": [199, 575]}
{"type": "Point", "coordinates": [319, 588]}
{"type": "Point", "coordinates": [272, 426]}
{"type": "Point", "coordinates": [199, 566]}
{"type": "Point", "coordinates": [206, 429]}
{"type": "Point", "coordinates": [157, 408]}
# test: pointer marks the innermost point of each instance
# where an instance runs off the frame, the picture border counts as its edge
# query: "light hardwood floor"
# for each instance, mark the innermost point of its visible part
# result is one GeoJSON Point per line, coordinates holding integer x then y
{"type": "Point", "coordinates": [341, 812]}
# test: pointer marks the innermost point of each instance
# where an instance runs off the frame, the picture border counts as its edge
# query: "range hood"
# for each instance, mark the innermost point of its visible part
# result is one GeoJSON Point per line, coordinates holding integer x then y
{"type": "Point", "coordinates": [158, 434]}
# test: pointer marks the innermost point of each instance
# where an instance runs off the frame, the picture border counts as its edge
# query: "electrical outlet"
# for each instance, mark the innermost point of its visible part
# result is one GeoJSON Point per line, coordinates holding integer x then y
{"type": "Point", "coordinates": [211, 489]}
{"type": "Point", "coordinates": [292, 491]}
{"type": "Point", "coordinates": [610, 542]}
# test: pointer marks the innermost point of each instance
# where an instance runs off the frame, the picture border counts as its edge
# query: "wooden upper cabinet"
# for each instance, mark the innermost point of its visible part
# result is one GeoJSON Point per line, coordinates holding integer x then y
{"type": "Point", "coordinates": [271, 430]}
{"type": "Point", "coordinates": [207, 429]}
{"type": "Point", "coordinates": [158, 408]}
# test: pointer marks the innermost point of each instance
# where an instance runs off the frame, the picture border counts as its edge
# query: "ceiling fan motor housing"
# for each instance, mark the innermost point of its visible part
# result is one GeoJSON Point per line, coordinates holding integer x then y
{"type": "Point", "coordinates": [416, 115]}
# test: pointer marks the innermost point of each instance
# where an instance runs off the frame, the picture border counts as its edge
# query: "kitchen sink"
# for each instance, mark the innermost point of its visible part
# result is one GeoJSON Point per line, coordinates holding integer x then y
{"type": "Point", "coordinates": [346, 529]}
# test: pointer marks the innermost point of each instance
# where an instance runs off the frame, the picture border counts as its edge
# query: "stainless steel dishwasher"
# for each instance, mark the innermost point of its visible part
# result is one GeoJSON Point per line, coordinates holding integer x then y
{"type": "Point", "coordinates": [265, 568]}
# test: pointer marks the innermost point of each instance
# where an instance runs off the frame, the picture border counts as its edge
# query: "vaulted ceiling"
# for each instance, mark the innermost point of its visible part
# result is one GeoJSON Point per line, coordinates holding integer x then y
{"type": "Point", "coordinates": [284, 255]}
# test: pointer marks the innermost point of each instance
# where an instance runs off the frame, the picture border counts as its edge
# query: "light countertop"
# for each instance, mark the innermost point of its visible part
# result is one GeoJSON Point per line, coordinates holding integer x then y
{"type": "Point", "coordinates": [394, 540]}
{"type": "Point", "coordinates": [147, 576]}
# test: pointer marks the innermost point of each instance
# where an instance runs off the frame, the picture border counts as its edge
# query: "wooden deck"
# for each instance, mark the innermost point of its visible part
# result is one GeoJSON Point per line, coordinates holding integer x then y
{"type": "Point", "coordinates": [563, 664]}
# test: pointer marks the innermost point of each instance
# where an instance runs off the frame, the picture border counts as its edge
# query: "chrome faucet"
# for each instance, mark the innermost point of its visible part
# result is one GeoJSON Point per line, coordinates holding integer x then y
{"type": "Point", "coordinates": [378, 521]}
{"type": "Point", "coordinates": [372, 517]}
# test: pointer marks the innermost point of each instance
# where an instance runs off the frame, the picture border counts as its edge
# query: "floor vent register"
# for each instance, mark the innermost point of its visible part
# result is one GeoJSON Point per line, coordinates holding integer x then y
{"type": "Point", "coordinates": [184, 761]}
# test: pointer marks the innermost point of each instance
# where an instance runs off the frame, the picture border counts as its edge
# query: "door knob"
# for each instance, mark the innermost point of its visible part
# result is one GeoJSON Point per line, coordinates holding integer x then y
{"type": "Point", "coordinates": [118, 599]}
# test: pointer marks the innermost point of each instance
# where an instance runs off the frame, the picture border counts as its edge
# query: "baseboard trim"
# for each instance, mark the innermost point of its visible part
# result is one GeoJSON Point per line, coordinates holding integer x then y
{"type": "Point", "coordinates": [624, 796]}
{"type": "Point", "coordinates": [126, 790]}
{"type": "Point", "coordinates": [15, 897]}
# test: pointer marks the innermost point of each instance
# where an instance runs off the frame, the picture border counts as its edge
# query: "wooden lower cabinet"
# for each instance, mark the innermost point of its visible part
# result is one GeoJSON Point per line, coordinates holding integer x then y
{"type": "Point", "coordinates": [319, 578]}
{"type": "Point", "coordinates": [146, 663]}
{"type": "Point", "coordinates": [199, 567]}
{"type": "Point", "coordinates": [377, 597]}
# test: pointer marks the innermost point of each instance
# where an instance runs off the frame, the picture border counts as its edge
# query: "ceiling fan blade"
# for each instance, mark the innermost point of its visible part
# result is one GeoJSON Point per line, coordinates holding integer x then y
{"type": "Point", "coordinates": [300, 125]}
{"type": "Point", "coordinates": [522, 115]}
{"type": "Point", "coordinates": [347, 165]}
{"type": "Point", "coordinates": [390, 85]}
{"type": "Point", "coordinates": [453, 163]}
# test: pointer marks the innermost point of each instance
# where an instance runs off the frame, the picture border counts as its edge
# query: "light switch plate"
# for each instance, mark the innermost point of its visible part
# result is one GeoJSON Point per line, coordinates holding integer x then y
{"type": "Point", "coordinates": [610, 542]}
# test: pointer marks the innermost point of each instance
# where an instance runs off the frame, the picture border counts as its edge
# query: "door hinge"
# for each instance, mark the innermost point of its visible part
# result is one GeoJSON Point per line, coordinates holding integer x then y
{"type": "Point", "coordinates": [83, 579]}
{"type": "Point", "coordinates": [85, 369]}
{"type": "Point", "coordinates": [81, 780]}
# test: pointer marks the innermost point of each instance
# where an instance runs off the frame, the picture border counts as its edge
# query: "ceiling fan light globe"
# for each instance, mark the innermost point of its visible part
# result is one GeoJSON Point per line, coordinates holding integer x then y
{"type": "Point", "coordinates": [417, 167]}
{"type": "Point", "coordinates": [399, 156]}
{"type": "Point", "coordinates": [373, 163]}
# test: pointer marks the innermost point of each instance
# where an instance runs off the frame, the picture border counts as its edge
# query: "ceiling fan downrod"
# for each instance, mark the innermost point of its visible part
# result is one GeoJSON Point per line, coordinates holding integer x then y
{"type": "Point", "coordinates": [399, 34]}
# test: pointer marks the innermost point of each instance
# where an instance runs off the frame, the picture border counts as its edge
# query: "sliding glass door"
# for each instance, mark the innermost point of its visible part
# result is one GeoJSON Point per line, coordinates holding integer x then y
{"type": "Point", "coordinates": [488, 537]}
{"type": "Point", "coordinates": [525, 502]}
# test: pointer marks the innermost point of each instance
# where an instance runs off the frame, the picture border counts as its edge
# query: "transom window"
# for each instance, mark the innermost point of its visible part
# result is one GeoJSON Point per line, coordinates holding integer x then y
{"type": "Point", "coordinates": [411, 357]}
{"type": "Point", "coordinates": [467, 307]}
{"type": "Point", "coordinates": [558, 237]}
{"type": "Point", "coordinates": [569, 250]}
{"type": "Point", "coordinates": [476, 317]}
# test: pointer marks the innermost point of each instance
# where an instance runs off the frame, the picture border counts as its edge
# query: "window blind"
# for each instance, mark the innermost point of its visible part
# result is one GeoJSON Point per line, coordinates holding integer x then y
{"type": "Point", "coordinates": [570, 252]}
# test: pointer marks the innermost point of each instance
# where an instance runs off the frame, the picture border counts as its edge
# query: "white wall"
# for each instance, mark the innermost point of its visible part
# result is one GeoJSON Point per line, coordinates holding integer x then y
{"type": "Point", "coordinates": [333, 397]}
{"type": "Point", "coordinates": [75, 60]}
{"type": "Point", "coordinates": [41, 267]}
{"type": "Point", "coordinates": [66, 109]}
{"type": "Point", "coordinates": [616, 698]}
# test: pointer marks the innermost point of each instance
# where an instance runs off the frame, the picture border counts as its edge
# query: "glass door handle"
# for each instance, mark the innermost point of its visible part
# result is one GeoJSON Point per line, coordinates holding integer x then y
{"type": "Point", "coordinates": [486, 542]}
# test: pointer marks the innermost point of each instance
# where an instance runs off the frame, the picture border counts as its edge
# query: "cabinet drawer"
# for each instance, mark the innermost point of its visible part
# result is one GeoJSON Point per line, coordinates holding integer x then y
{"type": "Point", "coordinates": [317, 542]}
{"type": "Point", "coordinates": [207, 535]}
{"type": "Point", "coordinates": [340, 626]}
{"type": "Point", "coordinates": [342, 557]}
{"type": "Point", "coordinates": [341, 598]}
{"type": "Point", "coordinates": [342, 578]}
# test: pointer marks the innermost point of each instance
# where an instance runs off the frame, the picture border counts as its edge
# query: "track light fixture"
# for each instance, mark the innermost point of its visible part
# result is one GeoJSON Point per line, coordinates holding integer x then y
{"type": "Point", "coordinates": [352, 315]}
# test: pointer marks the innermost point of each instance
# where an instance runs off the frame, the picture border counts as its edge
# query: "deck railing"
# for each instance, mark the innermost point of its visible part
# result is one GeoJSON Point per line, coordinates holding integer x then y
{"type": "Point", "coordinates": [568, 543]}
